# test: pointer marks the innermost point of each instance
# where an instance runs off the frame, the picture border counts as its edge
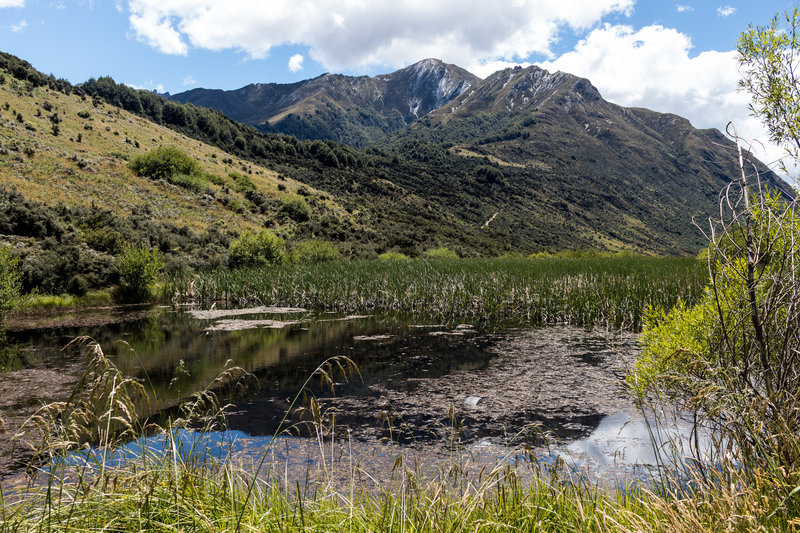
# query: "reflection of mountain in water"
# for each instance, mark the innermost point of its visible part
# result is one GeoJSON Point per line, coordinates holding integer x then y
{"type": "Point", "coordinates": [415, 379]}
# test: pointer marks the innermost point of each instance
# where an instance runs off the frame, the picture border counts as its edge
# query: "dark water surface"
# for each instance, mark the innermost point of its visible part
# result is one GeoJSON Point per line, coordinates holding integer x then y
{"type": "Point", "coordinates": [419, 384]}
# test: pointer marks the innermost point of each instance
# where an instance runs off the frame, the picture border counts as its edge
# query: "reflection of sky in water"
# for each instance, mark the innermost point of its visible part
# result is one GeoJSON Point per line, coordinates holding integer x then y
{"type": "Point", "coordinates": [627, 439]}
{"type": "Point", "coordinates": [183, 444]}
{"type": "Point", "coordinates": [621, 446]}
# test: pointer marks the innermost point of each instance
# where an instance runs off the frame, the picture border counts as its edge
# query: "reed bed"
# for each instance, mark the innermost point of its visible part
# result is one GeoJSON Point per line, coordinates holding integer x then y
{"type": "Point", "coordinates": [609, 291]}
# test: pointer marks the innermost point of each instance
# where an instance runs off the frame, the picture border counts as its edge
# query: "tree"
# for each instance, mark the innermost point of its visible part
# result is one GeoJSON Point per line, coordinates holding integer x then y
{"type": "Point", "coordinates": [733, 358]}
{"type": "Point", "coordinates": [769, 59]}
{"type": "Point", "coordinates": [257, 250]}
{"type": "Point", "coordinates": [314, 251]}
{"type": "Point", "coordinates": [138, 272]}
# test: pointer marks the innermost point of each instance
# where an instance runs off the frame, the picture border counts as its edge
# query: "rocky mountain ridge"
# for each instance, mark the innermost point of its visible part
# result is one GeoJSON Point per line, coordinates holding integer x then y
{"type": "Point", "coordinates": [352, 109]}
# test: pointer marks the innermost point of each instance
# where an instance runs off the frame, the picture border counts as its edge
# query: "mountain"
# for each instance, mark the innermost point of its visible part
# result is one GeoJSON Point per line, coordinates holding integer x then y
{"type": "Point", "coordinates": [353, 110]}
{"type": "Point", "coordinates": [70, 202]}
{"type": "Point", "coordinates": [611, 174]}
{"type": "Point", "coordinates": [522, 161]}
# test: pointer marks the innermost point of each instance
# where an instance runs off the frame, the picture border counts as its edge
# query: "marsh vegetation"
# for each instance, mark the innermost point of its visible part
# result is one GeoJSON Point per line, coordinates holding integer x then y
{"type": "Point", "coordinates": [595, 289]}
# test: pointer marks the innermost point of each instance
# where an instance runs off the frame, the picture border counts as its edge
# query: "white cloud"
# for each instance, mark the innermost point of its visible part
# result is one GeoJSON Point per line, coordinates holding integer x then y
{"type": "Point", "coordinates": [19, 26]}
{"type": "Point", "coordinates": [726, 11]}
{"type": "Point", "coordinates": [149, 86]}
{"type": "Point", "coordinates": [651, 67]}
{"type": "Point", "coordinates": [684, 8]}
{"type": "Point", "coordinates": [296, 63]}
{"type": "Point", "coordinates": [189, 80]}
{"type": "Point", "coordinates": [353, 34]}
{"type": "Point", "coordinates": [58, 5]}
{"type": "Point", "coordinates": [12, 3]}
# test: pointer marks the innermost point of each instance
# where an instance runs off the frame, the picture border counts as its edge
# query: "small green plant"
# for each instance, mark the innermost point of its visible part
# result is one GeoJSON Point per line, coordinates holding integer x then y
{"type": "Point", "coordinates": [243, 183]}
{"type": "Point", "coordinates": [192, 182]}
{"type": "Point", "coordinates": [10, 281]}
{"type": "Point", "coordinates": [314, 251]}
{"type": "Point", "coordinates": [138, 272]}
{"type": "Point", "coordinates": [392, 256]}
{"type": "Point", "coordinates": [257, 249]}
{"type": "Point", "coordinates": [443, 252]}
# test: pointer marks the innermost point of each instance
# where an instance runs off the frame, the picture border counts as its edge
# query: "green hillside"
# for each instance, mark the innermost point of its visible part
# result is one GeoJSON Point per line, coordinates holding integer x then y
{"type": "Point", "coordinates": [481, 176]}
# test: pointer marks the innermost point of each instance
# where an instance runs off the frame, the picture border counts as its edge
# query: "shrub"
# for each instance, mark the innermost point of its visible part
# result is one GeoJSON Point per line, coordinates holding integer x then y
{"type": "Point", "coordinates": [392, 256]}
{"type": "Point", "coordinates": [733, 357]}
{"type": "Point", "coordinates": [314, 251]}
{"type": "Point", "coordinates": [192, 182]}
{"type": "Point", "coordinates": [295, 207]}
{"type": "Point", "coordinates": [442, 252]}
{"type": "Point", "coordinates": [10, 281]}
{"type": "Point", "coordinates": [164, 162]}
{"type": "Point", "coordinates": [243, 183]}
{"type": "Point", "coordinates": [138, 272]}
{"type": "Point", "coordinates": [257, 249]}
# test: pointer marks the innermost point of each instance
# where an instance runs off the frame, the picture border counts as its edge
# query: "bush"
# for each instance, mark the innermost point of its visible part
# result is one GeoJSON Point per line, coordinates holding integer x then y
{"type": "Point", "coordinates": [392, 256]}
{"type": "Point", "coordinates": [733, 357]}
{"type": "Point", "coordinates": [442, 252]}
{"type": "Point", "coordinates": [138, 272]}
{"type": "Point", "coordinates": [192, 182]}
{"type": "Point", "coordinates": [257, 250]}
{"type": "Point", "coordinates": [314, 251]}
{"type": "Point", "coordinates": [243, 183]}
{"type": "Point", "coordinates": [295, 207]}
{"type": "Point", "coordinates": [10, 281]}
{"type": "Point", "coordinates": [164, 162]}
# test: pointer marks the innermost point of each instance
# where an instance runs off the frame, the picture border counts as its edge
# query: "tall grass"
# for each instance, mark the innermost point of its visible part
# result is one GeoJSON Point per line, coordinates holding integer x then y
{"type": "Point", "coordinates": [610, 291]}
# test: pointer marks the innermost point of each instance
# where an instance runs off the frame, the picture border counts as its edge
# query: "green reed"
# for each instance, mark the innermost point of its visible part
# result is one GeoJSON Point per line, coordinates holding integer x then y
{"type": "Point", "coordinates": [610, 291]}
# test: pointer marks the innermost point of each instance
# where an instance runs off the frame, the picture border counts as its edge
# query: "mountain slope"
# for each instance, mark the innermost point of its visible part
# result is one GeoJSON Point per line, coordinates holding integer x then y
{"type": "Point", "coordinates": [354, 110]}
{"type": "Point", "coordinates": [611, 173]}
{"type": "Point", "coordinates": [524, 161]}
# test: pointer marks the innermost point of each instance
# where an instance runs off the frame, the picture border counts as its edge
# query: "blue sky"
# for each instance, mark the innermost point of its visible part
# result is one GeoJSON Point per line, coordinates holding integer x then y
{"type": "Point", "coordinates": [670, 56]}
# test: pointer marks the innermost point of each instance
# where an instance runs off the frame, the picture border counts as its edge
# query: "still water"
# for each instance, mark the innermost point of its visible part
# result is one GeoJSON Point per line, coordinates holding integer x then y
{"type": "Point", "coordinates": [417, 385]}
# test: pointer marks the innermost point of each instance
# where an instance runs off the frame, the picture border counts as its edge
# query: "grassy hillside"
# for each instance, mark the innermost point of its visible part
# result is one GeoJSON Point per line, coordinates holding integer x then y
{"type": "Point", "coordinates": [86, 162]}
{"type": "Point", "coordinates": [69, 201]}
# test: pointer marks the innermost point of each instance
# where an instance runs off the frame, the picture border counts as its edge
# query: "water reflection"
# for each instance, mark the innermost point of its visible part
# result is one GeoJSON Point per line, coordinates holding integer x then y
{"type": "Point", "coordinates": [417, 381]}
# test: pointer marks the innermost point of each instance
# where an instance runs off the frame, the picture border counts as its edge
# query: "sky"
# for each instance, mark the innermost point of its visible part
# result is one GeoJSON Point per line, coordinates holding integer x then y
{"type": "Point", "coordinates": [676, 57]}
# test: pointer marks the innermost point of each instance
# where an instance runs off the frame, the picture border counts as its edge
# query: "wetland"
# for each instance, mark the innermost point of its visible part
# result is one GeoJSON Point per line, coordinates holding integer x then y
{"type": "Point", "coordinates": [421, 387]}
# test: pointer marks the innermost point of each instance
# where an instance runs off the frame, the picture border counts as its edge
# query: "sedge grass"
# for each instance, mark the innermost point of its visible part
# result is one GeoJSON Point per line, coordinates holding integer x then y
{"type": "Point", "coordinates": [609, 291]}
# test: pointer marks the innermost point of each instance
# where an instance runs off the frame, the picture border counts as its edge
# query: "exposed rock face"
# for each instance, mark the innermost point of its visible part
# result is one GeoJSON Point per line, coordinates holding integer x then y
{"type": "Point", "coordinates": [351, 109]}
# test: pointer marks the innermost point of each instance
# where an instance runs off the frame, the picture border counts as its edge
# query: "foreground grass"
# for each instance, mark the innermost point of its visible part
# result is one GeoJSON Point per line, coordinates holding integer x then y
{"type": "Point", "coordinates": [170, 494]}
{"type": "Point", "coordinates": [611, 291]}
